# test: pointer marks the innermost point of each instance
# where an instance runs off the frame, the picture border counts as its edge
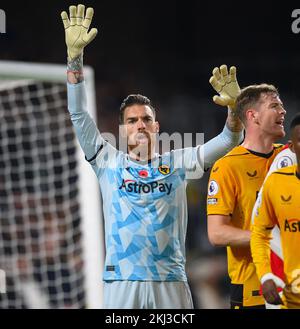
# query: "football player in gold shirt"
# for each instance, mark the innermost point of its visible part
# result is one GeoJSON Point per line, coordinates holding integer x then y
{"type": "Point", "coordinates": [280, 205]}
{"type": "Point", "coordinates": [234, 184]}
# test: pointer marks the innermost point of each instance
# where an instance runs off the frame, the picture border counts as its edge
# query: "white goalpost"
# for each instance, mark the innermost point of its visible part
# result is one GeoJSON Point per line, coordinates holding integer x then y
{"type": "Point", "coordinates": [51, 231]}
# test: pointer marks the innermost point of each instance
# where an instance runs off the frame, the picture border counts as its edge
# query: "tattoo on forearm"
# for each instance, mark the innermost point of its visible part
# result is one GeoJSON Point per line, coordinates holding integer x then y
{"type": "Point", "coordinates": [75, 70]}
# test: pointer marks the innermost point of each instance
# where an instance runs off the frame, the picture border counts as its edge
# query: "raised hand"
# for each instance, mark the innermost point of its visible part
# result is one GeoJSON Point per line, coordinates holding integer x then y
{"type": "Point", "coordinates": [225, 85]}
{"type": "Point", "coordinates": [76, 29]}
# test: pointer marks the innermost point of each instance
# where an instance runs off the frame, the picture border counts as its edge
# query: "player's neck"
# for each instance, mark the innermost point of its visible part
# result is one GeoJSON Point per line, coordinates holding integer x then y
{"type": "Point", "coordinates": [258, 143]}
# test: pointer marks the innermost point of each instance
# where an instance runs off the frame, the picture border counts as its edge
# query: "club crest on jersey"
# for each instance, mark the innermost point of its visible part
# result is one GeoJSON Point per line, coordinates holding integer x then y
{"type": "Point", "coordinates": [164, 169]}
{"type": "Point", "coordinates": [213, 188]}
{"type": "Point", "coordinates": [284, 161]}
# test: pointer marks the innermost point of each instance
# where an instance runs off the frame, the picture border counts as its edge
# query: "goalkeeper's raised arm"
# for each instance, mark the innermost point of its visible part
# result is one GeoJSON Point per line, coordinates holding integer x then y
{"type": "Point", "coordinates": [77, 36]}
{"type": "Point", "coordinates": [226, 85]}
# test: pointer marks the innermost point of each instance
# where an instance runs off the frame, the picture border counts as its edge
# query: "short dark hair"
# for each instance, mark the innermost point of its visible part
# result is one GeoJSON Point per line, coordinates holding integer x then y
{"type": "Point", "coordinates": [295, 122]}
{"type": "Point", "coordinates": [249, 97]}
{"type": "Point", "coordinates": [133, 100]}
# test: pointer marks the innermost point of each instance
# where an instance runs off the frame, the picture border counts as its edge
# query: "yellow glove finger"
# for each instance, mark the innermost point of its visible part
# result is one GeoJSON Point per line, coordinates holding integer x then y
{"type": "Point", "coordinates": [72, 10]}
{"type": "Point", "coordinates": [224, 72]}
{"type": "Point", "coordinates": [215, 84]}
{"type": "Point", "coordinates": [88, 37]}
{"type": "Point", "coordinates": [216, 73]}
{"type": "Point", "coordinates": [88, 18]}
{"type": "Point", "coordinates": [232, 73]}
{"type": "Point", "coordinates": [65, 19]}
{"type": "Point", "coordinates": [220, 101]}
{"type": "Point", "coordinates": [80, 14]}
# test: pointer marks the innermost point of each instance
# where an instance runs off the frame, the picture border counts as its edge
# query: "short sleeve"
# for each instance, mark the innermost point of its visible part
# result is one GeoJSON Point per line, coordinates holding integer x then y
{"type": "Point", "coordinates": [221, 194]}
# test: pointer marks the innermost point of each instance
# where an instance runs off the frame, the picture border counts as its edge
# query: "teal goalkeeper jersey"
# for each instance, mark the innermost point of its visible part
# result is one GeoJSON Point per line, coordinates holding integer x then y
{"type": "Point", "coordinates": [144, 204]}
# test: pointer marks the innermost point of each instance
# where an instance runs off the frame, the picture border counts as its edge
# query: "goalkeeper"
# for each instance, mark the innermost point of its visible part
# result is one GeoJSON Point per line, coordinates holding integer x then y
{"type": "Point", "coordinates": [144, 193]}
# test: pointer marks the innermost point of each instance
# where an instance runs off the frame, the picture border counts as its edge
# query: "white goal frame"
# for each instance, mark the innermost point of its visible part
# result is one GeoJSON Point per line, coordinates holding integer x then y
{"type": "Point", "coordinates": [89, 192]}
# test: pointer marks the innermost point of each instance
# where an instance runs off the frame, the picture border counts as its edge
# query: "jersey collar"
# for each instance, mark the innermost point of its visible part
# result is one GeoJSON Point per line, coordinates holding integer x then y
{"type": "Point", "coordinates": [262, 155]}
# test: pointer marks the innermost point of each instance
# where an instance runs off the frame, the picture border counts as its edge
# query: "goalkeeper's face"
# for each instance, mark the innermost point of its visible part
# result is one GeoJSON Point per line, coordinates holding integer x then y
{"type": "Point", "coordinates": [140, 126]}
{"type": "Point", "coordinates": [270, 115]}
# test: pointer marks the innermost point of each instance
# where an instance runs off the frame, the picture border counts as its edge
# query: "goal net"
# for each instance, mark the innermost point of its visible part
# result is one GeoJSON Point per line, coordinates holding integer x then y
{"type": "Point", "coordinates": [51, 250]}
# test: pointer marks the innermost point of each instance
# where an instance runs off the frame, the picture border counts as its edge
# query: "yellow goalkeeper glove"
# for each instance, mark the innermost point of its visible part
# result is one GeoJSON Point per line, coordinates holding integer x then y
{"type": "Point", "coordinates": [225, 85]}
{"type": "Point", "coordinates": [76, 29]}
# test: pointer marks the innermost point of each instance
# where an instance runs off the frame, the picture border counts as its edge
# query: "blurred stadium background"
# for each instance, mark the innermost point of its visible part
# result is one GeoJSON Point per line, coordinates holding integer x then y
{"type": "Point", "coordinates": [165, 50]}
